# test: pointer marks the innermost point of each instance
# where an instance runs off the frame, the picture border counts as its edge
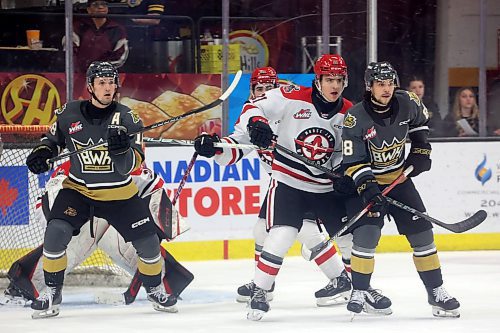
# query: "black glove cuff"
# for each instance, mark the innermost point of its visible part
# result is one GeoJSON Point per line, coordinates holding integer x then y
{"type": "Point", "coordinates": [421, 148]}
{"type": "Point", "coordinates": [42, 147]}
{"type": "Point", "coordinates": [368, 188]}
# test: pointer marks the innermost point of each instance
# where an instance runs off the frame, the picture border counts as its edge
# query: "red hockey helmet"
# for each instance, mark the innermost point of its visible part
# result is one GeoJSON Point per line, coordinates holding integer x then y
{"type": "Point", "coordinates": [264, 75]}
{"type": "Point", "coordinates": [331, 64]}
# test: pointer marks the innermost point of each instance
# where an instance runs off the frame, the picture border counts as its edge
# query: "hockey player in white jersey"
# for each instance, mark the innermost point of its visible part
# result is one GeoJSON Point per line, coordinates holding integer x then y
{"type": "Point", "coordinates": [309, 123]}
{"type": "Point", "coordinates": [262, 80]}
{"type": "Point", "coordinates": [26, 274]}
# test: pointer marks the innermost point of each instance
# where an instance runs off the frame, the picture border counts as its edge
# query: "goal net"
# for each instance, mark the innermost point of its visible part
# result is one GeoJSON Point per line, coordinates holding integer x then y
{"type": "Point", "coordinates": [19, 189]}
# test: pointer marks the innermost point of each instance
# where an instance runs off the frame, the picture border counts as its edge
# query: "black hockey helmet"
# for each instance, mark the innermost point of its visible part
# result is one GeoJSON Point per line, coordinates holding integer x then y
{"type": "Point", "coordinates": [102, 69]}
{"type": "Point", "coordinates": [379, 71]}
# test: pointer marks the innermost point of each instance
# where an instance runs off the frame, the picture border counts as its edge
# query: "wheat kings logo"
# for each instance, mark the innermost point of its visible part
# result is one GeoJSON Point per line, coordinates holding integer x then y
{"type": "Point", "coordinates": [94, 160]}
{"type": "Point", "coordinates": [414, 97]}
{"type": "Point", "coordinates": [317, 144]}
{"type": "Point", "coordinates": [349, 121]}
{"type": "Point", "coordinates": [388, 154]}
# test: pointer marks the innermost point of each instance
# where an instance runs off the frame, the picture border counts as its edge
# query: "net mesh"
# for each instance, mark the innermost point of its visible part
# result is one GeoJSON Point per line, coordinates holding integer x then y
{"type": "Point", "coordinates": [19, 189]}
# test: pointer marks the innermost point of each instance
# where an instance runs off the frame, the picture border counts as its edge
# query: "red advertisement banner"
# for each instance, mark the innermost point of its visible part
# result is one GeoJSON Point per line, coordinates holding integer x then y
{"type": "Point", "coordinates": [31, 98]}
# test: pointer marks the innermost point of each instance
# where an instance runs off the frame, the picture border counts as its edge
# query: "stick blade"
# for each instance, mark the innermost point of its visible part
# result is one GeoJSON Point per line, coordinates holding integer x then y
{"type": "Point", "coordinates": [470, 222]}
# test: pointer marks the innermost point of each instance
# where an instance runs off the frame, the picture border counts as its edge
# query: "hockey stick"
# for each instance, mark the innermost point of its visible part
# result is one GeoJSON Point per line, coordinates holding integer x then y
{"type": "Point", "coordinates": [458, 227]}
{"type": "Point", "coordinates": [355, 218]}
{"type": "Point", "coordinates": [184, 178]}
{"type": "Point", "coordinates": [209, 106]}
{"type": "Point", "coordinates": [133, 289]}
{"type": "Point", "coordinates": [359, 215]}
{"type": "Point", "coordinates": [175, 142]}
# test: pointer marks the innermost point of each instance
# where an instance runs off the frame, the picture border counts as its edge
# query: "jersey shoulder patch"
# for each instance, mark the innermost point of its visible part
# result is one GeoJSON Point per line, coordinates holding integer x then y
{"type": "Point", "coordinates": [349, 120]}
{"type": "Point", "coordinates": [413, 97]}
{"type": "Point", "coordinates": [135, 116]}
{"type": "Point", "coordinates": [60, 109]}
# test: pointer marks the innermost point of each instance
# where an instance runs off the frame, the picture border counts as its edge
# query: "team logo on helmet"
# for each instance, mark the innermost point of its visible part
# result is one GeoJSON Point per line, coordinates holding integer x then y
{"type": "Point", "coordinates": [380, 71]}
{"type": "Point", "coordinates": [349, 121]}
{"type": "Point", "coordinates": [316, 144]}
{"type": "Point", "coordinates": [102, 69]}
{"type": "Point", "coordinates": [330, 64]}
{"type": "Point", "coordinates": [264, 75]}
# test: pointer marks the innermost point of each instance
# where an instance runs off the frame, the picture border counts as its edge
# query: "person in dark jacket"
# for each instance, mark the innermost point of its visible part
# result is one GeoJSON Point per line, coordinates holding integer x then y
{"type": "Point", "coordinates": [98, 38]}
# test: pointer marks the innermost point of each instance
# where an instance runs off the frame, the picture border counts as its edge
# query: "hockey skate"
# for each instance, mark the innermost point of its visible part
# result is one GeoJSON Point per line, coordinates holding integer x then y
{"type": "Point", "coordinates": [160, 300]}
{"type": "Point", "coordinates": [377, 303]}
{"type": "Point", "coordinates": [47, 304]}
{"type": "Point", "coordinates": [443, 305]}
{"type": "Point", "coordinates": [245, 293]}
{"type": "Point", "coordinates": [12, 297]}
{"type": "Point", "coordinates": [258, 304]}
{"type": "Point", "coordinates": [369, 301]}
{"type": "Point", "coordinates": [336, 292]}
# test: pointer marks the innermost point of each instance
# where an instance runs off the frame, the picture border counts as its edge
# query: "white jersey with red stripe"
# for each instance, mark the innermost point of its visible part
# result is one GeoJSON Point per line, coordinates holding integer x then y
{"type": "Point", "coordinates": [303, 130]}
{"type": "Point", "coordinates": [240, 135]}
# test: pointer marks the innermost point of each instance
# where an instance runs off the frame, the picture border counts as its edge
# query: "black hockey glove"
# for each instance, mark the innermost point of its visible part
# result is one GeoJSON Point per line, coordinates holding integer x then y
{"type": "Point", "coordinates": [37, 159]}
{"type": "Point", "coordinates": [370, 193]}
{"type": "Point", "coordinates": [420, 158]}
{"type": "Point", "coordinates": [344, 185]}
{"type": "Point", "coordinates": [118, 140]}
{"type": "Point", "coordinates": [260, 132]}
{"type": "Point", "coordinates": [204, 145]}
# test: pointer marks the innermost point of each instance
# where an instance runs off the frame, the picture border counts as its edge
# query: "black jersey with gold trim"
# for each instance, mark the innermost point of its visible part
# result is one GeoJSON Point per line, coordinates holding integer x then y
{"type": "Point", "coordinates": [93, 173]}
{"type": "Point", "coordinates": [374, 145]}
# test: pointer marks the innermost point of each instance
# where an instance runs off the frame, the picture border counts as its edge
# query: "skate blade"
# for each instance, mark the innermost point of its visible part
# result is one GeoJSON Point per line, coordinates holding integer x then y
{"type": "Point", "coordinates": [255, 315]}
{"type": "Point", "coordinates": [442, 313]}
{"type": "Point", "coordinates": [381, 312]}
{"type": "Point", "coordinates": [339, 299]}
{"type": "Point", "coordinates": [242, 299]}
{"type": "Point", "coordinates": [13, 302]}
{"type": "Point", "coordinates": [169, 309]}
{"type": "Point", "coordinates": [40, 314]}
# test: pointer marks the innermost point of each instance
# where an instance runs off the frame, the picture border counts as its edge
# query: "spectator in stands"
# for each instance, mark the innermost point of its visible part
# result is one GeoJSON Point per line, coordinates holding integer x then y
{"type": "Point", "coordinates": [463, 119]}
{"type": "Point", "coordinates": [416, 85]}
{"type": "Point", "coordinates": [98, 38]}
{"type": "Point", "coordinates": [146, 7]}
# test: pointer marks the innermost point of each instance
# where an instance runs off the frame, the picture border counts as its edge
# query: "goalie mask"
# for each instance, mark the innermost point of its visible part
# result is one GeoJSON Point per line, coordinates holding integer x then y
{"type": "Point", "coordinates": [380, 71]}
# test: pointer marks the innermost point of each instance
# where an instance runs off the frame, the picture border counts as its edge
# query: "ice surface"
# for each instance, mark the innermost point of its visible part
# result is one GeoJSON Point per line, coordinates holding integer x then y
{"type": "Point", "coordinates": [209, 304]}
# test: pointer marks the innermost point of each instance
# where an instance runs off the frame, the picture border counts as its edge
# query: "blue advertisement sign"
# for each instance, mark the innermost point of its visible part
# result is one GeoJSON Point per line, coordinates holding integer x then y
{"type": "Point", "coordinates": [242, 92]}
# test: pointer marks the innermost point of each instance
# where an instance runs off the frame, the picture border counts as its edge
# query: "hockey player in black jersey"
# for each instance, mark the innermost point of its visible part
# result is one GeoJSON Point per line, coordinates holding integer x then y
{"type": "Point", "coordinates": [99, 184]}
{"type": "Point", "coordinates": [374, 136]}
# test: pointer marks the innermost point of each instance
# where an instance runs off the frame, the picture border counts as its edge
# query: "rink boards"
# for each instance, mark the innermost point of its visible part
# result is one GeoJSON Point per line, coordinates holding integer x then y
{"type": "Point", "coordinates": [221, 203]}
